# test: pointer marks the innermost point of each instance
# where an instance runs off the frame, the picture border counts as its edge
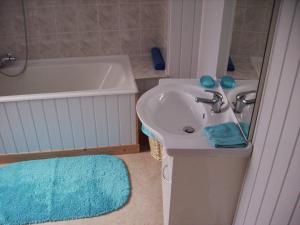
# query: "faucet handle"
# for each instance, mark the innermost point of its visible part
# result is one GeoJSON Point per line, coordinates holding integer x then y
{"type": "Point", "coordinates": [243, 95]}
{"type": "Point", "coordinates": [216, 95]}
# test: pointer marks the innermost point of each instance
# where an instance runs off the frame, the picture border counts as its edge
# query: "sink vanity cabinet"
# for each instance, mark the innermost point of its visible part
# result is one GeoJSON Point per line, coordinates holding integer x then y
{"type": "Point", "coordinates": [201, 189]}
{"type": "Point", "coordinates": [201, 184]}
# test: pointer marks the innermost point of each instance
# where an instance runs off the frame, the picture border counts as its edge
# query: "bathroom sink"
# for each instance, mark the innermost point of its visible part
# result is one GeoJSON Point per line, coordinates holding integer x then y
{"type": "Point", "coordinates": [169, 111]}
{"type": "Point", "coordinates": [172, 111]}
{"type": "Point", "coordinates": [243, 86]}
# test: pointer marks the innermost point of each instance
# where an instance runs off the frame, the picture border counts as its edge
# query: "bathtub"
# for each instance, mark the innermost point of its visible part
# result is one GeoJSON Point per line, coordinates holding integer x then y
{"type": "Point", "coordinates": [68, 104]}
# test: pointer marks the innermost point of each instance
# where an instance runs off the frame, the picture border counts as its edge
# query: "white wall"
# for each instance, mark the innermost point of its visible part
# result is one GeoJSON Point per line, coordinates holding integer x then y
{"type": "Point", "coordinates": [199, 37]}
{"type": "Point", "coordinates": [271, 190]}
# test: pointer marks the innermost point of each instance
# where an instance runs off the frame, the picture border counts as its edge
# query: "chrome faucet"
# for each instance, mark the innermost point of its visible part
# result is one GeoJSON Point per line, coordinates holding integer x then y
{"type": "Point", "coordinates": [216, 102]}
{"type": "Point", "coordinates": [241, 101]}
{"type": "Point", "coordinates": [7, 60]}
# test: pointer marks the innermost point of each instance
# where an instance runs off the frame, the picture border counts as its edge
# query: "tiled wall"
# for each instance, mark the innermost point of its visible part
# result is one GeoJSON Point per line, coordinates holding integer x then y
{"type": "Point", "coordinates": [66, 28]}
{"type": "Point", "coordinates": [252, 20]}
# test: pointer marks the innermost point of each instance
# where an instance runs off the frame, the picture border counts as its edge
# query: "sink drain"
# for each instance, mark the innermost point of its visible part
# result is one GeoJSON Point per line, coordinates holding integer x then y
{"type": "Point", "coordinates": [189, 130]}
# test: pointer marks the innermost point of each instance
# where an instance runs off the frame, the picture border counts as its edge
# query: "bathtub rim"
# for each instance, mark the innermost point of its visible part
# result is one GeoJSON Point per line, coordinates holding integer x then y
{"type": "Point", "coordinates": [123, 60]}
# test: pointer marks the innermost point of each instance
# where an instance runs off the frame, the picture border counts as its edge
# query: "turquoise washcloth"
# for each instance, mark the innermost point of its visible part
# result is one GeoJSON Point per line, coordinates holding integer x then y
{"type": "Point", "coordinates": [245, 127]}
{"type": "Point", "coordinates": [225, 135]}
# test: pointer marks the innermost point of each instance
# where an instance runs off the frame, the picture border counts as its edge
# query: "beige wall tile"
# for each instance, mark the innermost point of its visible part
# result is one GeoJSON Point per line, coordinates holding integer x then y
{"type": "Point", "coordinates": [129, 16]}
{"type": "Point", "coordinates": [109, 17]}
{"type": "Point", "coordinates": [68, 45]}
{"type": "Point", "coordinates": [64, 28]}
{"type": "Point", "coordinates": [66, 18]}
{"type": "Point", "coordinates": [130, 42]}
{"type": "Point", "coordinates": [90, 44]}
{"type": "Point", "coordinates": [149, 39]}
{"type": "Point", "coordinates": [88, 18]}
{"type": "Point", "coordinates": [110, 43]}
{"type": "Point", "coordinates": [45, 20]}
{"type": "Point", "coordinates": [151, 15]}
{"type": "Point", "coordinates": [49, 46]}
{"type": "Point", "coordinates": [251, 24]}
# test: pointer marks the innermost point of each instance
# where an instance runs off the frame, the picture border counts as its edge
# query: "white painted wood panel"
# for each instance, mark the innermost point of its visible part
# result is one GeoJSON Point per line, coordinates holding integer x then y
{"type": "Point", "coordinates": [295, 218]}
{"type": "Point", "coordinates": [124, 117]}
{"type": "Point", "coordinates": [196, 38]}
{"type": "Point", "coordinates": [88, 116]}
{"type": "Point", "coordinates": [64, 122]}
{"type": "Point", "coordinates": [38, 115]}
{"type": "Point", "coordinates": [50, 112]}
{"type": "Point", "coordinates": [289, 195]}
{"type": "Point", "coordinates": [101, 120]}
{"type": "Point", "coordinates": [28, 125]}
{"type": "Point", "coordinates": [16, 126]}
{"type": "Point", "coordinates": [67, 123]}
{"type": "Point", "coordinates": [2, 147]}
{"type": "Point", "coordinates": [133, 119]}
{"type": "Point", "coordinates": [174, 49]}
{"type": "Point", "coordinates": [199, 37]}
{"type": "Point", "coordinates": [187, 31]}
{"type": "Point", "coordinates": [284, 153]}
{"type": "Point", "coordinates": [6, 132]}
{"type": "Point", "coordinates": [113, 120]}
{"type": "Point", "coordinates": [272, 186]}
{"type": "Point", "coordinates": [77, 122]}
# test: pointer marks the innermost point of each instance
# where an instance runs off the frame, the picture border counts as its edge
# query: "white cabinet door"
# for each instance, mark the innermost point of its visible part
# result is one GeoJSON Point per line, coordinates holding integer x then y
{"type": "Point", "coordinates": [166, 173]}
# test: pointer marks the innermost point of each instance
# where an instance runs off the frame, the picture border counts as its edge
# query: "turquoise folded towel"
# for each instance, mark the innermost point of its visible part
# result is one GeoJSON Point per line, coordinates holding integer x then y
{"type": "Point", "coordinates": [225, 135]}
{"type": "Point", "coordinates": [245, 127]}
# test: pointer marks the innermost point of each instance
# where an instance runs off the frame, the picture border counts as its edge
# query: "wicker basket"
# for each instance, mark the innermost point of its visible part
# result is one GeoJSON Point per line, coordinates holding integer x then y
{"type": "Point", "coordinates": [155, 149]}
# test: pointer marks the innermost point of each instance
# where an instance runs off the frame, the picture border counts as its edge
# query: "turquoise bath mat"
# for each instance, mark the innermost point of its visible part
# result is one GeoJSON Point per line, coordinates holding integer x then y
{"type": "Point", "coordinates": [62, 189]}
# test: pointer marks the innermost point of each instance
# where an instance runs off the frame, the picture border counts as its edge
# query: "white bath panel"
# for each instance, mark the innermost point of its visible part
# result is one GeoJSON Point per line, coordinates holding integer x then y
{"type": "Point", "coordinates": [133, 119]}
{"type": "Point", "coordinates": [65, 125]}
{"type": "Point", "coordinates": [28, 126]}
{"type": "Point", "coordinates": [87, 110]}
{"type": "Point", "coordinates": [101, 120]}
{"type": "Point", "coordinates": [6, 132]}
{"type": "Point", "coordinates": [51, 116]}
{"type": "Point", "coordinates": [38, 116]}
{"type": "Point", "coordinates": [125, 119]}
{"type": "Point", "coordinates": [16, 126]}
{"type": "Point", "coordinates": [113, 120]}
{"type": "Point", "coordinates": [77, 123]}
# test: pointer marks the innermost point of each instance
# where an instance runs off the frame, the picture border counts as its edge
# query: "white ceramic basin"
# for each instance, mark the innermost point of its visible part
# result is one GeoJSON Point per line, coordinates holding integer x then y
{"type": "Point", "coordinates": [172, 110]}
{"type": "Point", "coordinates": [167, 109]}
{"type": "Point", "coordinates": [242, 86]}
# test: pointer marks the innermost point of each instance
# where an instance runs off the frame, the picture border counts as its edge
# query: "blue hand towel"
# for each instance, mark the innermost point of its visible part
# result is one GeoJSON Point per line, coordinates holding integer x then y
{"type": "Point", "coordinates": [157, 59]}
{"type": "Point", "coordinates": [225, 135]}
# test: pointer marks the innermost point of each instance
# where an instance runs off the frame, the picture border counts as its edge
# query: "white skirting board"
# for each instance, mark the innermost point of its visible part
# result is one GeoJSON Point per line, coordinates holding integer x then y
{"type": "Point", "coordinates": [67, 123]}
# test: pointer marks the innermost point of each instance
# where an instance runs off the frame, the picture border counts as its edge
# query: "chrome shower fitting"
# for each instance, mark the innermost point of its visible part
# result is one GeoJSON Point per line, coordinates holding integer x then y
{"type": "Point", "coordinates": [7, 59]}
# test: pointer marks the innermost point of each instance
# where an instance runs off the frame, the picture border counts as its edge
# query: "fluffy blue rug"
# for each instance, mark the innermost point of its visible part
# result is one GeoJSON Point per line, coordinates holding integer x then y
{"type": "Point", "coordinates": [62, 189]}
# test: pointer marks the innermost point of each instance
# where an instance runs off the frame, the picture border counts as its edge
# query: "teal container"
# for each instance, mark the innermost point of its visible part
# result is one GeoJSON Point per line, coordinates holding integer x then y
{"type": "Point", "coordinates": [227, 82]}
{"type": "Point", "coordinates": [207, 81]}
